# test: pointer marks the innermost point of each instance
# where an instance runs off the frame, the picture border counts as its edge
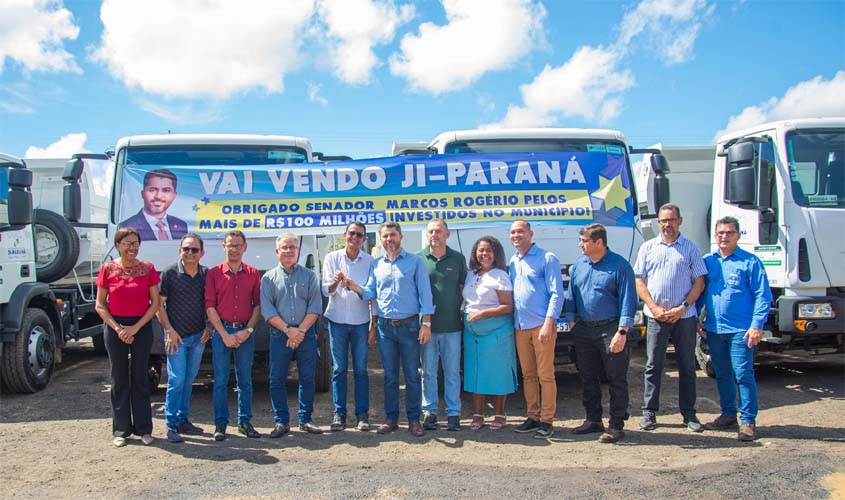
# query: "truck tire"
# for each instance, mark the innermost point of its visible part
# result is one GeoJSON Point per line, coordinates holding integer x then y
{"type": "Point", "coordinates": [154, 373]}
{"type": "Point", "coordinates": [56, 246]}
{"type": "Point", "coordinates": [29, 360]}
{"type": "Point", "coordinates": [323, 377]}
{"type": "Point", "coordinates": [99, 343]}
{"type": "Point", "coordinates": [702, 357]}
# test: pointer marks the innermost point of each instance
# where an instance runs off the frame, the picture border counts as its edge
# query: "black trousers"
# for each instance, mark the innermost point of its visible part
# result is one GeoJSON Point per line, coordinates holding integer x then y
{"type": "Point", "coordinates": [592, 348]}
{"type": "Point", "coordinates": [130, 386]}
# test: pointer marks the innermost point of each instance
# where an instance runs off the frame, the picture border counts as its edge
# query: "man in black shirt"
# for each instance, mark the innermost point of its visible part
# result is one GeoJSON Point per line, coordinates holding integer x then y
{"type": "Point", "coordinates": [182, 316]}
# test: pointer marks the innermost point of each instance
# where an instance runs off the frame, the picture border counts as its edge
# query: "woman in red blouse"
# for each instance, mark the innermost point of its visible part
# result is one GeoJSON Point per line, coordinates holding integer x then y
{"type": "Point", "coordinates": [127, 299]}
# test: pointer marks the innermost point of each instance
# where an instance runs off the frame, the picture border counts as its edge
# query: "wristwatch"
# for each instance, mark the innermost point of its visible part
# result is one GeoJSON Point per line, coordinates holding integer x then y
{"type": "Point", "coordinates": [285, 330]}
{"type": "Point", "coordinates": [426, 323]}
{"type": "Point", "coordinates": [250, 330]}
{"type": "Point", "coordinates": [685, 304]}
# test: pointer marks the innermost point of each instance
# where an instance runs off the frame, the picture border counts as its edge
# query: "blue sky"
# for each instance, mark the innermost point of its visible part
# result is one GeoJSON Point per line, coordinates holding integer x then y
{"type": "Point", "coordinates": [356, 75]}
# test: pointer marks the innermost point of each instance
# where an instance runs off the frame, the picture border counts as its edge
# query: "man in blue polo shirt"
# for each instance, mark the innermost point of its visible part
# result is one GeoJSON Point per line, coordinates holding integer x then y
{"type": "Point", "coordinates": [399, 282]}
{"type": "Point", "coordinates": [537, 300]}
{"type": "Point", "coordinates": [603, 301]}
{"type": "Point", "coordinates": [736, 305]}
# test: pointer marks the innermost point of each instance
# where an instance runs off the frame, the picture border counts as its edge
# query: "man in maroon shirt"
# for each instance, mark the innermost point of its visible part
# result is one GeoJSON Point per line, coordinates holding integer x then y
{"type": "Point", "coordinates": [232, 302]}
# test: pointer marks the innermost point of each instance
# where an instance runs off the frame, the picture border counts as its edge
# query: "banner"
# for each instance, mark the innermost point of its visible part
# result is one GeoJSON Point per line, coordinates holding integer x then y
{"type": "Point", "coordinates": [467, 190]}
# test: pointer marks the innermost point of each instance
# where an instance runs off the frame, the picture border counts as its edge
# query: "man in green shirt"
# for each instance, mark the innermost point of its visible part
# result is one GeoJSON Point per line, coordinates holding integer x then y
{"type": "Point", "coordinates": [447, 270]}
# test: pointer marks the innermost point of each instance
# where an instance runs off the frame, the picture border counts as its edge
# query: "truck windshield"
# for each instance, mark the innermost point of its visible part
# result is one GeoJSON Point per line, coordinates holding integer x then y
{"type": "Point", "coordinates": [214, 155]}
{"type": "Point", "coordinates": [816, 167]}
{"type": "Point", "coordinates": [532, 145]}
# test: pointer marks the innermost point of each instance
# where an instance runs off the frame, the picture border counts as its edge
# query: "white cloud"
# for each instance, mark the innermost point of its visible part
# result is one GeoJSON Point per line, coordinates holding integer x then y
{"type": "Point", "coordinates": [589, 85]}
{"type": "Point", "coordinates": [314, 93]}
{"type": "Point", "coordinates": [480, 36]}
{"type": "Point", "coordinates": [181, 114]}
{"type": "Point", "coordinates": [32, 32]}
{"type": "Point", "coordinates": [815, 98]}
{"type": "Point", "coordinates": [592, 83]}
{"type": "Point", "coordinates": [202, 48]}
{"type": "Point", "coordinates": [354, 27]}
{"type": "Point", "coordinates": [66, 146]}
{"type": "Point", "coordinates": [669, 27]}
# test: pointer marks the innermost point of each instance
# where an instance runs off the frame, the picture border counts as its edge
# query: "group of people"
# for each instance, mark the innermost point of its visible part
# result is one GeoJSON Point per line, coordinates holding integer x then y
{"type": "Point", "coordinates": [428, 311]}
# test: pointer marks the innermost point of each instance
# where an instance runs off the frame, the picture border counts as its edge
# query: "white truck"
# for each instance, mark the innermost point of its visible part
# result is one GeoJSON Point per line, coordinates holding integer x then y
{"type": "Point", "coordinates": [555, 235]}
{"type": "Point", "coordinates": [785, 182]}
{"type": "Point", "coordinates": [46, 290]}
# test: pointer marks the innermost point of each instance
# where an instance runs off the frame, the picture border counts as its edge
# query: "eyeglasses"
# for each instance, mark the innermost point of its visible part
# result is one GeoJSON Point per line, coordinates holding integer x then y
{"type": "Point", "coordinates": [130, 244]}
{"type": "Point", "coordinates": [234, 247]}
{"type": "Point", "coordinates": [725, 233]}
{"type": "Point", "coordinates": [190, 250]}
{"type": "Point", "coordinates": [356, 234]}
{"type": "Point", "coordinates": [663, 222]}
{"type": "Point", "coordinates": [585, 240]}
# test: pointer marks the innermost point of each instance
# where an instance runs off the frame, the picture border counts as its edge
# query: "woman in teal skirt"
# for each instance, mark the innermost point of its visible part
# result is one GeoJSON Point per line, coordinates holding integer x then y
{"type": "Point", "coordinates": [489, 351]}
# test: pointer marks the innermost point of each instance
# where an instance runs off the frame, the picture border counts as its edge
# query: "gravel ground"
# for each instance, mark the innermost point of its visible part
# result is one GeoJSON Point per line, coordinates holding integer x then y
{"type": "Point", "coordinates": [56, 444]}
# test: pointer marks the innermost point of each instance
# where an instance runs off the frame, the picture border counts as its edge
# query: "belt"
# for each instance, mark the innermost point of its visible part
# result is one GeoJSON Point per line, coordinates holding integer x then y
{"type": "Point", "coordinates": [600, 322]}
{"type": "Point", "coordinates": [400, 322]}
{"type": "Point", "coordinates": [239, 326]}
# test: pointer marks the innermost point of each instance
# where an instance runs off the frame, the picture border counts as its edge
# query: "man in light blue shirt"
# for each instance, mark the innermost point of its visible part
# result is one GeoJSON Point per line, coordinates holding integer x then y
{"type": "Point", "coordinates": [348, 320]}
{"type": "Point", "coordinates": [670, 277]}
{"type": "Point", "coordinates": [736, 305]}
{"type": "Point", "coordinates": [400, 285]}
{"type": "Point", "coordinates": [538, 300]}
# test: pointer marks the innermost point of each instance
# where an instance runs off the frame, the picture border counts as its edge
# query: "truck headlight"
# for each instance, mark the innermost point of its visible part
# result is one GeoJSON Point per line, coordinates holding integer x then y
{"type": "Point", "coordinates": [816, 311]}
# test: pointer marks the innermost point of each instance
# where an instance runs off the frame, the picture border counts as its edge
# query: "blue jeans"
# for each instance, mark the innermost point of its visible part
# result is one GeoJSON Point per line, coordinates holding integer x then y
{"type": "Point", "coordinates": [734, 365]}
{"type": "Point", "coordinates": [446, 347]}
{"type": "Point", "coordinates": [281, 355]}
{"type": "Point", "coordinates": [400, 345]}
{"type": "Point", "coordinates": [182, 368]}
{"type": "Point", "coordinates": [342, 338]}
{"type": "Point", "coordinates": [221, 357]}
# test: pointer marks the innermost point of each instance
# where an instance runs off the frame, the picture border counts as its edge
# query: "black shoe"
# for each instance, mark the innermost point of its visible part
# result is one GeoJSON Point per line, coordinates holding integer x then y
{"type": "Point", "coordinates": [544, 431]}
{"type": "Point", "coordinates": [310, 428]}
{"type": "Point", "coordinates": [219, 432]}
{"type": "Point", "coordinates": [693, 424]}
{"type": "Point", "coordinates": [338, 423]}
{"type": "Point", "coordinates": [248, 430]}
{"type": "Point", "coordinates": [453, 423]}
{"type": "Point", "coordinates": [279, 430]}
{"type": "Point", "coordinates": [530, 425]}
{"type": "Point", "coordinates": [721, 423]}
{"type": "Point", "coordinates": [186, 427]}
{"type": "Point", "coordinates": [587, 427]}
{"type": "Point", "coordinates": [649, 421]}
{"type": "Point", "coordinates": [174, 436]}
{"type": "Point", "coordinates": [430, 422]}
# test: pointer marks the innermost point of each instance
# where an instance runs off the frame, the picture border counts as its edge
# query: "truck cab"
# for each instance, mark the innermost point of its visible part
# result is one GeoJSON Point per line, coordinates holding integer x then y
{"type": "Point", "coordinates": [785, 182]}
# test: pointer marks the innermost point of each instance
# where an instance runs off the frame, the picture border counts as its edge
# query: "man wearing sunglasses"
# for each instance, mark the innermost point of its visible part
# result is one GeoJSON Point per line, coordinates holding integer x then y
{"type": "Point", "coordinates": [182, 315]}
{"type": "Point", "coordinates": [349, 319]}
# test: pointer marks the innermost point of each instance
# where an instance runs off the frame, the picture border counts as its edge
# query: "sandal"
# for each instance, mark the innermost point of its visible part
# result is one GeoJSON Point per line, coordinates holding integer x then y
{"type": "Point", "coordinates": [477, 422]}
{"type": "Point", "coordinates": [499, 421]}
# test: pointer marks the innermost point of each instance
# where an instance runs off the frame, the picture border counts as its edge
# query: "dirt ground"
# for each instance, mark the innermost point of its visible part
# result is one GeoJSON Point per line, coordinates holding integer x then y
{"type": "Point", "coordinates": [57, 444]}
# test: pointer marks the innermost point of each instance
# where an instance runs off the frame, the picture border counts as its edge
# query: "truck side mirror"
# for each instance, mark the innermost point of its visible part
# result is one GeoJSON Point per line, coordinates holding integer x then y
{"type": "Point", "coordinates": [20, 197]}
{"type": "Point", "coordinates": [72, 192]}
{"type": "Point", "coordinates": [740, 185]}
{"type": "Point", "coordinates": [661, 192]}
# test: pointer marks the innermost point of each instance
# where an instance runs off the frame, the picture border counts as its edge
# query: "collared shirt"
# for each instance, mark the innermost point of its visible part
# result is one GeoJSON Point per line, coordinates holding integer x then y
{"type": "Point", "coordinates": [602, 290]}
{"type": "Point", "coordinates": [401, 286]}
{"type": "Point", "coordinates": [153, 222]}
{"type": "Point", "coordinates": [232, 295]}
{"type": "Point", "coordinates": [537, 287]}
{"type": "Point", "coordinates": [290, 295]}
{"type": "Point", "coordinates": [737, 296]}
{"type": "Point", "coordinates": [345, 306]}
{"type": "Point", "coordinates": [185, 294]}
{"type": "Point", "coordinates": [669, 270]}
{"type": "Point", "coordinates": [447, 275]}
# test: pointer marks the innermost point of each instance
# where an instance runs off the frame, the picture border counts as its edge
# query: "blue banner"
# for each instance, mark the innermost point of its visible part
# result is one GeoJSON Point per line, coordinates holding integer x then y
{"type": "Point", "coordinates": [467, 190]}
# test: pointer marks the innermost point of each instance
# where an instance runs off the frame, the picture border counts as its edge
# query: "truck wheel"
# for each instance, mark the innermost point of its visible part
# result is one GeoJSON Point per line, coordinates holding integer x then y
{"type": "Point", "coordinates": [323, 377]}
{"type": "Point", "coordinates": [29, 360]}
{"type": "Point", "coordinates": [99, 343]}
{"type": "Point", "coordinates": [702, 356]}
{"type": "Point", "coordinates": [56, 246]}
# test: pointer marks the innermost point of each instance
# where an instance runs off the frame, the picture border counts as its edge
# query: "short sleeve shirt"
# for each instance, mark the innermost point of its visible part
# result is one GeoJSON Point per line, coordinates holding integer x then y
{"type": "Point", "coordinates": [480, 292]}
{"type": "Point", "coordinates": [128, 288]}
{"type": "Point", "coordinates": [185, 294]}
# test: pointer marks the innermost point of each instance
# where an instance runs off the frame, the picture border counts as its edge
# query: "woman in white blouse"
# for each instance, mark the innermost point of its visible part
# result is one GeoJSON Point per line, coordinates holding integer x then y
{"type": "Point", "coordinates": [489, 352]}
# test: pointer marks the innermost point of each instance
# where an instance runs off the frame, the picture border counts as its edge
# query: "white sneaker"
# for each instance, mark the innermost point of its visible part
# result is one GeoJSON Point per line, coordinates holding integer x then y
{"type": "Point", "coordinates": [147, 439]}
{"type": "Point", "coordinates": [120, 442]}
